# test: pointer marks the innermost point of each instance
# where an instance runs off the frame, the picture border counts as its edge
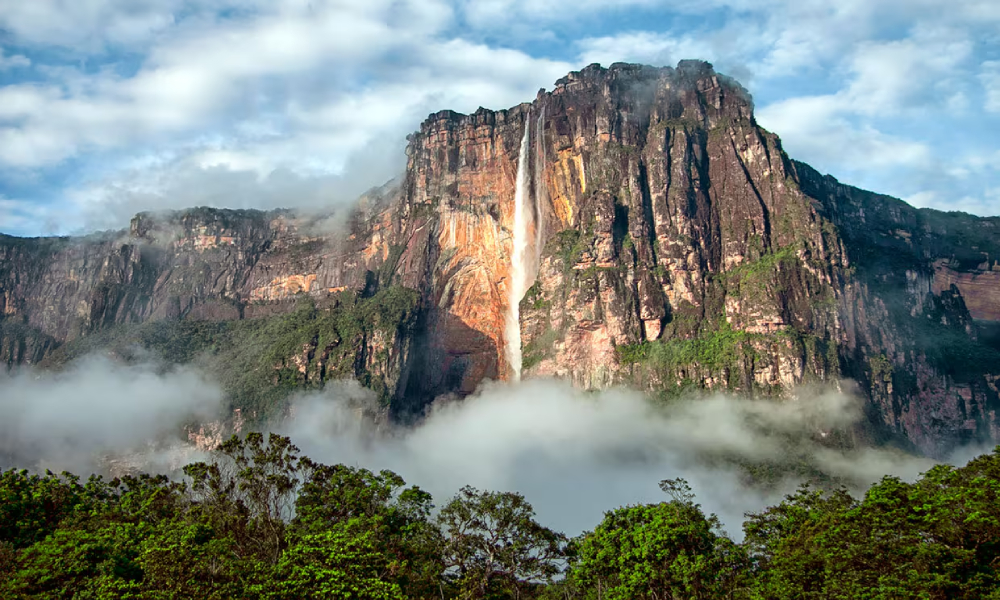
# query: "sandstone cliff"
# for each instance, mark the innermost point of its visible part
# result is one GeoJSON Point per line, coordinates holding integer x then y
{"type": "Point", "coordinates": [673, 246]}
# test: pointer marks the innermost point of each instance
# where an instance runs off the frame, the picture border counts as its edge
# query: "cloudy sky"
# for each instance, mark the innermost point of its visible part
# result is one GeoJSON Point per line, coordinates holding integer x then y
{"type": "Point", "coordinates": [108, 107]}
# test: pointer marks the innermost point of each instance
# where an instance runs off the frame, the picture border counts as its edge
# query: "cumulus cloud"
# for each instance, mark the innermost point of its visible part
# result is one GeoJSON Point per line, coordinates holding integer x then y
{"type": "Point", "coordinates": [894, 78]}
{"type": "Point", "coordinates": [295, 93]}
{"type": "Point", "coordinates": [644, 47]}
{"type": "Point", "coordinates": [86, 24]}
{"type": "Point", "coordinates": [874, 92]}
{"type": "Point", "coordinates": [185, 83]}
{"type": "Point", "coordinates": [246, 86]}
{"type": "Point", "coordinates": [874, 131]}
{"type": "Point", "coordinates": [499, 14]}
{"type": "Point", "coordinates": [14, 61]}
{"type": "Point", "coordinates": [987, 205]}
{"type": "Point", "coordinates": [320, 156]}
{"type": "Point", "coordinates": [901, 75]}
{"type": "Point", "coordinates": [230, 179]}
{"type": "Point", "coordinates": [818, 131]}
{"type": "Point", "coordinates": [18, 216]}
{"type": "Point", "coordinates": [990, 78]}
{"type": "Point", "coordinates": [98, 410]}
{"type": "Point", "coordinates": [304, 64]}
{"type": "Point", "coordinates": [575, 454]}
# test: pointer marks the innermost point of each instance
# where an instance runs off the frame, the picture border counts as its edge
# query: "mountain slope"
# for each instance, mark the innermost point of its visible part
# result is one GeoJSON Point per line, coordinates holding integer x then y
{"type": "Point", "coordinates": [670, 244]}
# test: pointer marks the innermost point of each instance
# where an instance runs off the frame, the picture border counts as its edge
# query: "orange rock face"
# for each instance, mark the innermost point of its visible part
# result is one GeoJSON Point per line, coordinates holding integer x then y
{"type": "Point", "coordinates": [464, 170]}
{"type": "Point", "coordinates": [980, 289]}
{"type": "Point", "coordinates": [282, 287]}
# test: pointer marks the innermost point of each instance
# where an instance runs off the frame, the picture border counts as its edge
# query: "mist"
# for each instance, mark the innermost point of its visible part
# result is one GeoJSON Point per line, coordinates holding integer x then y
{"type": "Point", "coordinates": [575, 454]}
{"type": "Point", "coordinates": [99, 415]}
{"type": "Point", "coordinates": [186, 182]}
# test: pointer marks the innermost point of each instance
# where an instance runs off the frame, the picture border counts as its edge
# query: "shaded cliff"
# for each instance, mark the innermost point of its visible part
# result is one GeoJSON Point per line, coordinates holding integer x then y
{"type": "Point", "coordinates": [675, 247]}
{"type": "Point", "coordinates": [264, 299]}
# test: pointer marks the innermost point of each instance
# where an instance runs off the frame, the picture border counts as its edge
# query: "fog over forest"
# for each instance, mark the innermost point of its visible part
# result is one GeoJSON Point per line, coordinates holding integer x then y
{"type": "Point", "coordinates": [574, 454]}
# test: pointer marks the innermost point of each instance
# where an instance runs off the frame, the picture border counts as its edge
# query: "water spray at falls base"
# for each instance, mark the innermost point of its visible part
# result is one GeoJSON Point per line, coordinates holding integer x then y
{"type": "Point", "coordinates": [520, 269]}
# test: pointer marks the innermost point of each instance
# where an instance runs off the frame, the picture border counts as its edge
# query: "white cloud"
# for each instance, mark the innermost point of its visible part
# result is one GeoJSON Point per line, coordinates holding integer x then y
{"type": "Point", "coordinates": [989, 75]}
{"type": "Point", "coordinates": [978, 162]}
{"type": "Point", "coordinates": [198, 76]}
{"type": "Point", "coordinates": [300, 86]}
{"type": "Point", "coordinates": [254, 88]}
{"type": "Point", "coordinates": [890, 77]}
{"type": "Point", "coordinates": [897, 77]}
{"type": "Point", "coordinates": [873, 131]}
{"type": "Point", "coordinates": [226, 179]}
{"type": "Point", "coordinates": [644, 47]}
{"type": "Point", "coordinates": [226, 75]}
{"type": "Point", "coordinates": [923, 199]}
{"type": "Point", "coordinates": [497, 14]}
{"type": "Point", "coordinates": [86, 23]}
{"type": "Point", "coordinates": [986, 205]}
{"type": "Point", "coordinates": [13, 62]}
{"type": "Point", "coordinates": [815, 129]}
{"type": "Point", "coordinates": [576, 454]}
{"type": "Point", "coordinates": [18, 216]}
{"type": "Point", "coordinates": [68, 419]}
{"type": "Point", "coordinates": [314, 152]}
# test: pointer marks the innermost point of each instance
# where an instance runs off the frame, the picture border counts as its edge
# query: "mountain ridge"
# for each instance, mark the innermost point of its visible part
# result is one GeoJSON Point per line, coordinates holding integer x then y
{"type": "Point", "coordinates": [678, 248]}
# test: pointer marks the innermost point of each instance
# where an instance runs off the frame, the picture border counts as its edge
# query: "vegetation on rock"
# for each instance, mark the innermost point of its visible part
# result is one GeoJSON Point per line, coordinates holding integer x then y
{"type": "Point", "coordinates": [259, 362]}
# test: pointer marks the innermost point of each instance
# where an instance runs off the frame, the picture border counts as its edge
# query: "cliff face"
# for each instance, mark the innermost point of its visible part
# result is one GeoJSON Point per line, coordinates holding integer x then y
{"type": "Point", "coordinates": [672, 245]}
{"type": "Point", "coordinates": [919, 312]}
{"type": "Point", "coordinates": [63, 296]}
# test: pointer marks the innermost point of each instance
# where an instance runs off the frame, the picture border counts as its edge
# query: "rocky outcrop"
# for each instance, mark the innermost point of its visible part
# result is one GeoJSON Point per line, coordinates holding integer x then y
{"type": "Point", "coordinates": [980, 288]}
{"type": "Point", "coordinates": [676, 246]}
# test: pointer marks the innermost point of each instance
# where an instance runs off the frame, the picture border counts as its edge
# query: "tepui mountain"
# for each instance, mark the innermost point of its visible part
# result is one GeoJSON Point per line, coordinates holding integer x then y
{"type": "Point", "coordinates": [633, 226]}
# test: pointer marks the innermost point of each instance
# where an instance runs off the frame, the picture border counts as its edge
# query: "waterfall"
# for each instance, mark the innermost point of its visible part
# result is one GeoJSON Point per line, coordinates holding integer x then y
{"type": "Point", "coordinates": [519, 262]}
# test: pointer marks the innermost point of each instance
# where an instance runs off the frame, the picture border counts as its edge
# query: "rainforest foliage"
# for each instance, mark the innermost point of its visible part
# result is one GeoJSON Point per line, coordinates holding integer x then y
{"type": "Point", "coordinates": [258, 520]}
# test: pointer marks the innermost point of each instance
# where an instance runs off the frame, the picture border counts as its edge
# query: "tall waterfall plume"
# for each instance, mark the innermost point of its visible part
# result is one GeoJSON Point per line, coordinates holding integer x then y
{"type": "Point", "coordinates": [521, 260]}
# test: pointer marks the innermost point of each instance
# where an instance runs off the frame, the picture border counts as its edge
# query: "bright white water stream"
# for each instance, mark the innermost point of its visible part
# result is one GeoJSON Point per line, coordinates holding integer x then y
{"type": "Point", "coordinates": [520, 261]}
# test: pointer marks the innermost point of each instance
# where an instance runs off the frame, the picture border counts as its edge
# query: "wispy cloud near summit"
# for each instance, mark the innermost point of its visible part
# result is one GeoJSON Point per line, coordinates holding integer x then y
{"type": "Point", "coordinates": [115, 103]}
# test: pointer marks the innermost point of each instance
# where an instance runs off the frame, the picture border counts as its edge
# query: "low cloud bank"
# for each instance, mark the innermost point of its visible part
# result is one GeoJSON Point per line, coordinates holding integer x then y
{"type": "Point", "coordinates": [98, 413]}
{"type": "Point", "coordinates": [576, 454]}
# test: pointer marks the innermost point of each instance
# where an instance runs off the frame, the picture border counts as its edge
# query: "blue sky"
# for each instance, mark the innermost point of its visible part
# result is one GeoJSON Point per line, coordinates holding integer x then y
{"type": "Point", "coordinates": [109, 107]}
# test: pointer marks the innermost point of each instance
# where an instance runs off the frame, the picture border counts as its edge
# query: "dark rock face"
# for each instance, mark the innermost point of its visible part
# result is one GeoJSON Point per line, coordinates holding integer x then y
{"type": "Point", "coordinates": [678, 247]}
{"type": "Point", "coordinates": [915, 275]}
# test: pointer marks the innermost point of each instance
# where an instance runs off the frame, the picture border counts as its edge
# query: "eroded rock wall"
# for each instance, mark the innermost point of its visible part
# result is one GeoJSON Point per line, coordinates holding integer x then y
{"type": "Point", "coordinates": [678, 248]}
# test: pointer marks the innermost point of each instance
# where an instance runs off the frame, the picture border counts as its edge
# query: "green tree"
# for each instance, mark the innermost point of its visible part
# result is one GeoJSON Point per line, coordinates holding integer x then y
{"type": "Point", "coordinates": [248, 493]}
{"type": "Point", "coordinates": [347, 561]}
{"type": "Point", "coordinates": [934, 539]}
{"type": "Point", "coordinates": [73, 563]}
{"type": "Point", "coordinates": [657, 551]}
{"type": "Point", "coordinates": [397, 517]}
{"type": "Point", "coordinates": [32, 506]}
{"type": "Point", "coordinates": [785, 561]}
{"type": "Point", "coordinates": [97, 549]}
{"type": "Point", "coordinates": [184, 559]}
{"type": "Point", "coordinates": [494, 548]}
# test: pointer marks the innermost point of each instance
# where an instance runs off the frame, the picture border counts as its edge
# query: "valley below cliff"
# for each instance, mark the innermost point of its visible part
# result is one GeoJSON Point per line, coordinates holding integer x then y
{"type": "Point", "coordinates": [640, 227]}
